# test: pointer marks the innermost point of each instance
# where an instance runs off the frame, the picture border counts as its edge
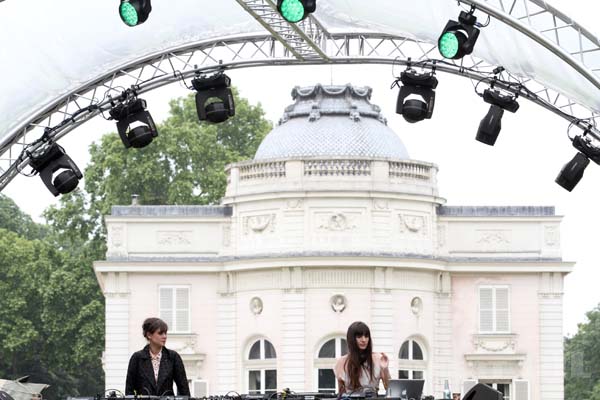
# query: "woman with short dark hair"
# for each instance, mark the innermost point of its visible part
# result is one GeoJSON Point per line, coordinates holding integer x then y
{"type": "Point", "coordinates": [360, 370]}
{"type": "Point", "coordinates": [153, 369]}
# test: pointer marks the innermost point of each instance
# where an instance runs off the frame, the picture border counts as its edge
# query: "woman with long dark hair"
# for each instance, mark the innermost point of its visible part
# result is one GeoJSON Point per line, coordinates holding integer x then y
{"type": "Point", "coordinates": [360, 370]}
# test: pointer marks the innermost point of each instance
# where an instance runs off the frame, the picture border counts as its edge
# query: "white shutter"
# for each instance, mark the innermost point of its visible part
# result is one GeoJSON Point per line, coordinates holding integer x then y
{"type": "Point", "coordinates": [502, 310]}
{"type": "Point", "coordinates": [466, 386]}
{"type": "Point", "coordinates": [199, 388]}
{"type": "Point", "coordinates": [486, 309]}
{"type": "Point", "coordinates": [182, 310]}
{"type": "Point", "coordinates": [166, 306]}
{"type": "Point", "coordinates": [521, 389]}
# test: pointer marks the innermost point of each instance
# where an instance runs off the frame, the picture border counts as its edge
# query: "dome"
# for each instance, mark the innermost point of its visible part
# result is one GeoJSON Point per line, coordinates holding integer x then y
{"type": "Point", "coordinates": [332, 121]}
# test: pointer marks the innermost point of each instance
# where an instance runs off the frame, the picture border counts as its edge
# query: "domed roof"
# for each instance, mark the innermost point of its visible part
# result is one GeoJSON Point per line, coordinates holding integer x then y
{"type": "Point", "coordinates": [332, 121]}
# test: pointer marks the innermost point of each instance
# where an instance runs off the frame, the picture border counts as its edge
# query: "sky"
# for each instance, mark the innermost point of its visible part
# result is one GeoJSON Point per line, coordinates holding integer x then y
{"type": "Point", "coordinates": [519, 170]}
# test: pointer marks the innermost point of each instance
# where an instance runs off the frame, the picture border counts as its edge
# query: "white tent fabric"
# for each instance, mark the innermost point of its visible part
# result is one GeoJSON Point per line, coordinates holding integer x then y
{"type": "Point", "coordinates": [51, 48]}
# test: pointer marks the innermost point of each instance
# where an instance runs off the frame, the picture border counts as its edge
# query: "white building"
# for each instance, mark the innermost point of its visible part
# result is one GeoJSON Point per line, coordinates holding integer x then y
{"type": "Point", "coordinates": [330, 223]}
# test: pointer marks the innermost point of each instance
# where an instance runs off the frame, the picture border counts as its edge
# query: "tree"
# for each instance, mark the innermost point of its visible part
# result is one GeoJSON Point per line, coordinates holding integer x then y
{"type": "Point", "coordinates": [582, 360]}
{"type": "Point", "coordinates": [185, 164]}
{"type": "Point", "coordinates": [14, 220]}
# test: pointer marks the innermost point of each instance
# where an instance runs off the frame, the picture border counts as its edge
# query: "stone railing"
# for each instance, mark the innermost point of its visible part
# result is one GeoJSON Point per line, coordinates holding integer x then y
{"type": "Point", "coordinates": [337, 167]}
{"type": "Point", "coordinates": [410, 170]}
{"type": "Point", "coordinates": [262, 170]}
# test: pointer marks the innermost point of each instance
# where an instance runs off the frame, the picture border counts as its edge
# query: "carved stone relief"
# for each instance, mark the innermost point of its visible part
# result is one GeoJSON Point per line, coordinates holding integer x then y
{"type": "Point", "coordinates": [259, 224]}
{"type": "Point", "coordinates": [338, 303]}
{"type": "Point", "coordinates": [413, 224]}
{"type": "Point", "coordinates": [117, 236]}
{"type": "Point", "coordinates": [551, 235]}
{"type": "Point", "coordinates": [337, 222]}
{"type": "Point", "coordinates": [226, 235]}
{"type": "Point", "coordinates": [256, 305]}
{"type": "Point", "coordinates": [493, 237]}
{"type": "Point", "coordinates": [293, 204]}
{"type": "Point", "coordinates": [174, 238]}
{"type": "Point", "coordinates": [441, 235]}
{"type": "Point", "coordinates": [381, 204]}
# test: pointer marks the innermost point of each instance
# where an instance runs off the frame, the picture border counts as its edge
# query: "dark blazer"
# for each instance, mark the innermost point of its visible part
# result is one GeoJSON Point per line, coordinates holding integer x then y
{"type": "Point", "coordinates": [140, 374]}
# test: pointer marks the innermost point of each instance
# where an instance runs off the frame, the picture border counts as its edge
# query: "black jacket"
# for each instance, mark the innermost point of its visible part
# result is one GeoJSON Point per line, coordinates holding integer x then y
{"type": "Point", "coordinates": [140, 374]}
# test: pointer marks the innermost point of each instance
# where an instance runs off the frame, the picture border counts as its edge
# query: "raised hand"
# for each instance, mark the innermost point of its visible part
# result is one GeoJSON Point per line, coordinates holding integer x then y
{"type": "Point", "coordinates": [385, 362]}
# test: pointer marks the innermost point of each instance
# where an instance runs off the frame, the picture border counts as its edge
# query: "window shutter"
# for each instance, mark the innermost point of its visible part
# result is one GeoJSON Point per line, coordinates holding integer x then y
{"type": "Point", "coordinates": [182, 307]}
{"type": "Point", "coordinates": [166, 306]}
{"type": "Point", "coordinates": [521, 389]}
{"type": "Point", "coordinates": [466, 386]}
{"type": "Point", "coordinates": [502, 310]}
{"type": "Point", "coordinates": [486, 310]}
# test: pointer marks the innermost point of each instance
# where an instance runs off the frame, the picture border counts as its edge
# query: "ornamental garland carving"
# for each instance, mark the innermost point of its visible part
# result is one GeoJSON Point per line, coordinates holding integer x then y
{"type": "Point", "coordinates": [493, 236]}
{"type": "Point", "coordinates": [116, 235]}
{"type": "Point", "coordinates": [551, 236]}
{"type": "Point", "coordinates": [259, 224]}
{"type": "Point", "coordinates": [174, 238]}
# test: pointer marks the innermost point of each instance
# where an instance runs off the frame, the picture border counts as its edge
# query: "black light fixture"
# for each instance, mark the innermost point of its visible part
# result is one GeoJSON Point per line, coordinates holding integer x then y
{"type": "Point", "coordinates": [572, 172]}
{"type": "Point", "coordinates": [134, 110]}
{"type": "Point", "coordinates": [214, 99]}
{"type": "Point", "coordinates": [490, 125]}
{"type": "Point", "coordinates": [134, 12]}
{"type": "Point", "coordinates": [296, 10]}
{"type": "Point", "coordinates": [49, 160]}
{"type": "Point", "coordinates": [417, 95]}
{"type": "Point", "coordinates": [458, 37]}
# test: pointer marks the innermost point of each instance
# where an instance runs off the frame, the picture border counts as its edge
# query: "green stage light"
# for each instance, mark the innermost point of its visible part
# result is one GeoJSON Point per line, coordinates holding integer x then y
{"type": "Point", "coordinates": [449, 45]}
{"type": "Point", "coordinates": [134, 12]}
{"type": "Point", "coordinates": [296, 10]}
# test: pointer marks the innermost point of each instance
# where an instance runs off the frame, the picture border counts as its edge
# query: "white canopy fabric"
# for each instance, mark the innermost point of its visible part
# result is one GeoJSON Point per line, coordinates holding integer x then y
{"type": "Point", "coordinates": [52, 48]}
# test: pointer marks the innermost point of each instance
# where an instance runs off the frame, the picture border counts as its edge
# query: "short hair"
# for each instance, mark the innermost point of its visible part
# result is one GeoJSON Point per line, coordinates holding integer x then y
{"type": "Point", "coordinates": [152, 325]}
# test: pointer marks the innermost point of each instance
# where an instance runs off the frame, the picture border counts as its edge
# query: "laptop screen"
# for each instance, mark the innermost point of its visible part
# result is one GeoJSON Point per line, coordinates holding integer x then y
{"type": "Point", "coordinates": [409, 389]}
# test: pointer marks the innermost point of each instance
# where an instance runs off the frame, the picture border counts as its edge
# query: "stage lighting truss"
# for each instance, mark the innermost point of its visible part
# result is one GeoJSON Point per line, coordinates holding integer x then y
{"type": "Point", "coordinates": [296, 10]}
{"type": "Point", "coordinates": [214, 99]}
{"type": "Point", "coordinates": [490, 125]}
{"type": "Point", "coordinates": [458, 37]}
{"type": "Point", "coordinates": [134, 123]}
{"type": "Point", "coordinates": [572, 172]}
{"type": "Point", "coordinates": [416, 98]}
{"type": "Point", "coordinates": [134, 12]}
{"type": "Point", "coordinates": [51, 158]}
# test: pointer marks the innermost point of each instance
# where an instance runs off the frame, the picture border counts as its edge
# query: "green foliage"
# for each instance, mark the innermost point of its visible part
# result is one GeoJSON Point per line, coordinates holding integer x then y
{"type": "Point", "coordinates": [13, 219]}
{"type": "Point", "coordinates": [582, 360]}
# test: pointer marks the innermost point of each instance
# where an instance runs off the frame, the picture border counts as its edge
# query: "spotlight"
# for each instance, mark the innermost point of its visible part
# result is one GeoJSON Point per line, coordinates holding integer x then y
{"type": "Point", "coordinates": [128, 113]}
{"type": "Point", "coordinates": [134, 12]}
{"type": "Point", "coordinates": [296, 10]}
{"type": "Point", "coordinates": [482, 391]}
{"type": "Point", "coordinates": [458, 38]}
{"type": "Point", "coordinates": [49, 160]}
{"type": "Point", "coordinates": [214, 100]}
{"type": "Point", "coordinates": [421, 86]}
{"type": "Point", "coordinates": [572, 172]}
{"type": "Point", "coordinates": [490, 125]}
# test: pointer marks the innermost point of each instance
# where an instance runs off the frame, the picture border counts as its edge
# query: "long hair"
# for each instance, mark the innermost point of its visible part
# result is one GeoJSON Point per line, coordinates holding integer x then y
{"type": "Point", "coordinates": [357, 358]}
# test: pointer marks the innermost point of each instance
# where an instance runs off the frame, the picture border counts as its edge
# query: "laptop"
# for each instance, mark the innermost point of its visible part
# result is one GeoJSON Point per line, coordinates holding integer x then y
{"type": "Point", "coordinates": [409, 389]}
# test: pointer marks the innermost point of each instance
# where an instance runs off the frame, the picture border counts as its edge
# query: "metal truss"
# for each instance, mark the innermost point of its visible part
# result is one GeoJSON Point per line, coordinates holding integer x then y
{"type": "Point", "coordinates": [308, 43]}
{"type": "Point", "coordinates": [303, 39]}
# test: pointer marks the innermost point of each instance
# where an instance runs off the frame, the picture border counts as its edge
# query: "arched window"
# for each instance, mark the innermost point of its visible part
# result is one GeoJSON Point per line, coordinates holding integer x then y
{"type": "Point", "coordinates": [412, 362]}
{"type": "Point", "coordinates": [328, 352]}
{"type": "Point", "coordinates": [261, 367]}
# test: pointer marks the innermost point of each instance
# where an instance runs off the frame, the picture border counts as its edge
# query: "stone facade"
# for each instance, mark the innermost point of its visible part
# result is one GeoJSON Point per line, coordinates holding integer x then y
{"type": "Point", "coordinates": [305, 244]}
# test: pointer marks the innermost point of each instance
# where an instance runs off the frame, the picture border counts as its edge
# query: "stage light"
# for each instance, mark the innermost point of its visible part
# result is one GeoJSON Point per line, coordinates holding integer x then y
{"type": "Point", "coordinates": [51, 159]}
{"type": "Point", "coordinates": [572, 172]}
{"type": "Point", "coordinates": [458, 38]}
{"type": "Point", "coordinates": [417, 95]}
{"type": "Point", "coordinates": [126, 114]}
{"type": "Point", "coordinates": [296, 10]}
{"type": "Point", "coordinates": [490, 125]}
{"type": "Point", "coordinates": [134, 12]}
{"type": "Point", "coordinates": [214, 99]}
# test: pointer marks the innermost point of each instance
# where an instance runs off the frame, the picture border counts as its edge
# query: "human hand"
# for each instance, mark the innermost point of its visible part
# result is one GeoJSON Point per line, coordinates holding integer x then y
{"type": "Point", "coordinates": [385, 362]}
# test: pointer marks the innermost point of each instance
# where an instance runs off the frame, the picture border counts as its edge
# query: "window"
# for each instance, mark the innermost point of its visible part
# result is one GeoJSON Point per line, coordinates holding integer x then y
{"type": "Point", "coordinates": [328, 352]}
{"type": "Point", "coordinates": [494, 309]}
{"type": "Point", "coordinates": [174, 308]}
{"type": "Point", "coordinates": [501, 386]}
{"type": "Point", "coordinates": [412, 363]}
{"type": "Point", "coordinates": [261, 367]}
